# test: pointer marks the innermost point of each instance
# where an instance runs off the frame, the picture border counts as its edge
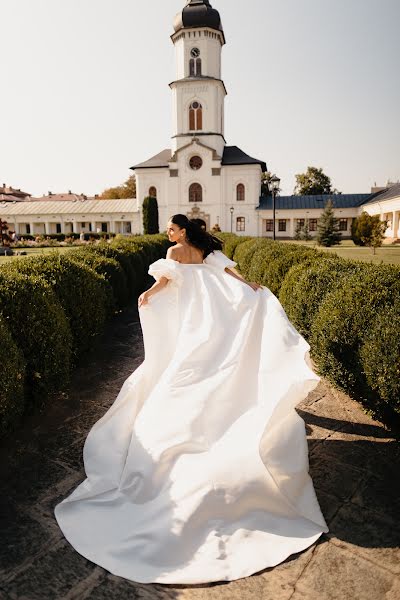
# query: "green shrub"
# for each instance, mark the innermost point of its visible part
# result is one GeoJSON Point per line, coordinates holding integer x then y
{"type": "Point", "coordinates": [245, 251]}
{"type": "Point", "coordinates": [83, 293]}
{"type": "Point", "coordinates": [12, 376]}
{"type": "Point", "coordinates": [306, 285]}
{"type": "Point", "coordinates": [271, 263]}
{"type": "Point", "coordinates": [39, 328]}
{"type": "Point", "coordinates": [344, 318]}
{"type": "Point", "coordinates": [380, 360]}
{"type": "Point", "coordinates": [112, 271]}
{"type": "Point", "coordinates": [231, 241]}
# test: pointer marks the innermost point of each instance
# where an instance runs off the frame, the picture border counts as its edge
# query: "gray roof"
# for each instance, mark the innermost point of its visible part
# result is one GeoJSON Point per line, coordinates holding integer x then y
{"type": "Point", "coordinates": [387, 194]}
{"type": "Point", "coordinates": [235, 156]}
{"type": "Point", "coordinates": [198, 13]}
{"type": "Point", "coordinates": [293, 202]}
{"type": "Point", "coordinates": [83, 207]}
{"type": "Point", "coordinates": [159, 160]}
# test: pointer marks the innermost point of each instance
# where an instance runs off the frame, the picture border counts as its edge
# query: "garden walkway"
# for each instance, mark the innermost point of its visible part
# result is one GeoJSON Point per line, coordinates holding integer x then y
{"type": "Point", "coordinates": [354, 463]}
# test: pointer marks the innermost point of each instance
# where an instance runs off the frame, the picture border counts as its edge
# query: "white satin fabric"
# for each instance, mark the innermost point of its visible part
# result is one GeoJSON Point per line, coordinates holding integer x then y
{"type": "Point", "coordinates": [199, 470]}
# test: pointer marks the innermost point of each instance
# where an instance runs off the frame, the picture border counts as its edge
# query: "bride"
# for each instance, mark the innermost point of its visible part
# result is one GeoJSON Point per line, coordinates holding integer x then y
{"type": "Point", "coordinates": [198, 472]}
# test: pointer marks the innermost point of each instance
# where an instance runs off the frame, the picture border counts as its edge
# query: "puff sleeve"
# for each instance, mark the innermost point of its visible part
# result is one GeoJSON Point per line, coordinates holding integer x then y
{"type": "Point", "coordinates": [166, 267]}
{"type": "Point", "coordinates": [218, 260]}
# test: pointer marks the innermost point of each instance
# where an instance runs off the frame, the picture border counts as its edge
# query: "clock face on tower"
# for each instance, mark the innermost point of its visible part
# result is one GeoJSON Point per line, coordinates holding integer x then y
{"type": "Point", "coordinates": [195, 52]}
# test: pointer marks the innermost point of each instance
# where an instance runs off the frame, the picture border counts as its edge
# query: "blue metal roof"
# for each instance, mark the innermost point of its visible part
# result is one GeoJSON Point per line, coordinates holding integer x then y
{"type": "Point", "coordinates": [296, 202]}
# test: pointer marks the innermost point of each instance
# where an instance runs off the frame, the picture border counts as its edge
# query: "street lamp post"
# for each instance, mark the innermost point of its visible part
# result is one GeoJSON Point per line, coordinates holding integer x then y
{"type": "Point", "coordinates": [231, 209]}
{"type": "Point", "coordinates": [273, 186]}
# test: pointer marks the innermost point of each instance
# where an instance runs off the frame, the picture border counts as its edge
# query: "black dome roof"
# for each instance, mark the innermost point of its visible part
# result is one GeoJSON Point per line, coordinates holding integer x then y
{"type": "Point", "coordinates": [198, 13]}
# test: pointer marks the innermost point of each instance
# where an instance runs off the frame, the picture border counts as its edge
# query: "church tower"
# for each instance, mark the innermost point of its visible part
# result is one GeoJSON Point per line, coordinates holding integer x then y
{"type": "Point", "coordinates": [199, 174]}
{"type": "Point", "coordinates": [198, 92]}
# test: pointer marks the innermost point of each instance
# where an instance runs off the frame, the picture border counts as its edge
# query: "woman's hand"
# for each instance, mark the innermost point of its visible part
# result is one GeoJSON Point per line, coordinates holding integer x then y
{"type": "Point", "coordinates": [254, 285]}
{"type": "Point", "coordinates": [143, 299]}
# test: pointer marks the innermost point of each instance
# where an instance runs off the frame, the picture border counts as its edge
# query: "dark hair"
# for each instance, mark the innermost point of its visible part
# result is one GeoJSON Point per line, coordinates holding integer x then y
{"type": "Point", "coordinates": [197, 236]}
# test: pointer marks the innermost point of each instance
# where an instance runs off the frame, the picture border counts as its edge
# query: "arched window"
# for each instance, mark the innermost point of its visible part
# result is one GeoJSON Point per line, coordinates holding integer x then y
{"type": "Point", "coordinates": [152, 192]}
{"type": "Point", "coordinates": [191, 67]}
{"type": "Point", "coordinates": [240, 192]}
{"type": "Point", "coordinates": [195, 116]}
{"type": "Point", "coordinates": [240, 223]}
{"type": "Point", "coordinates": [198, 67]}
{"type": "Point", "coordinates": [195, 193]}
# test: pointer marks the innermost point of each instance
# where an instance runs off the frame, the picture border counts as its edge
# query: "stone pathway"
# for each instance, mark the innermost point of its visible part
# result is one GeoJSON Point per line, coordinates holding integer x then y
{"type": "Point", "coordinates": [354, 463]}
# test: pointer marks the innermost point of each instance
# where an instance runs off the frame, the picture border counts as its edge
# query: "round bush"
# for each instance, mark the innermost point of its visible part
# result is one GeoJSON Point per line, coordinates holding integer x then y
{"type": "Point", "coordinates": [343, 320]}
{"type": "Point", "coordinates": [306, 285]}
{"type": "Point", "coordinates": [245, 251]}
{"type": "Point", "coordinates": [12, 376]}
{"type": "Point", "coordinates": [39, 328]}
{"type": "Point", "coordinates": [270, 263]}
{"type": "Point", "coordinates": [81, 291]}
{"type": "Point", "coordinates": [380, 359]}
{"type": "Point", "coordinates": [117, 289]}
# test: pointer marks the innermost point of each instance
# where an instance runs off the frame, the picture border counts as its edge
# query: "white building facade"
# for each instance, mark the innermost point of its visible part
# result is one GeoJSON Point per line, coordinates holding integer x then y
{"type": "Point", "coordinates": [200, 175]}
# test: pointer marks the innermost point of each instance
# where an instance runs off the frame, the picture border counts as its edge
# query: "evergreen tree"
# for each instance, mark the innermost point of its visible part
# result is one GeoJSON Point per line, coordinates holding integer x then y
{"type": "Point", "coordinates": [328, 233]}
{"type": "Point", "coordinates": [150, 215]}
{"type": "Point", "coordinates": [305, 232]}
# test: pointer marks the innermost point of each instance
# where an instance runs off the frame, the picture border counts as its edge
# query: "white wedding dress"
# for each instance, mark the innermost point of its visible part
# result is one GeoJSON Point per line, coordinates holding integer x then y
{"type": "Point", "coordinates": [198, 472]}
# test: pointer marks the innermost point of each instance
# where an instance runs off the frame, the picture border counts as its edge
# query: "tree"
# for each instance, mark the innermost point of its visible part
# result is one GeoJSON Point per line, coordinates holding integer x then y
{"type": "Point", "coordinates": [305, 233]}
{"type": "Point", "coordinates": [265, 178]}
{"type": "Point", "coordinates": [370, 230]}
{"type": "Point", "coordinates": [328, 233]}
{"type": "Point", "coordinates": [127, 190]}
{"type": "Point", "coordinates": [302, 232]}
{"type": "Point", "coordinates": [3, 231]}
{"type": "Point", "coordinates": [313, 182]}
{"type": "Point", "coordinates": [150, 215]}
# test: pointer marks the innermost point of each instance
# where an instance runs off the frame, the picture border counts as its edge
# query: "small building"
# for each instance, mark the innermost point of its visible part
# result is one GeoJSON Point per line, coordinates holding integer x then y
{"type": "Point", "coordinates": [70, 213]}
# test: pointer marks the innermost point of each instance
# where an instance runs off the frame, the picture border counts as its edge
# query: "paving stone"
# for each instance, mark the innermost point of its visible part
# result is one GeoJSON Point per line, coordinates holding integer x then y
{"type": "Point", "coordinates": [116, 588]}
{"type": "Point", "coordinates": [353, 462]}
{"type": "Point", "coordinates": [336, 574]}
{"type": "Point", "coordinates": [369, 535]}
{"type": "Point", "coordinates": [50, 577]}
{"type": "Point", "coordinates": [338, 479]}
{"type": "Point", "coordinates": [21, 537]}
{"type": "Point", "coordinates": [36, 474]}
{"type": "Point", "coordinates": [380, 494]}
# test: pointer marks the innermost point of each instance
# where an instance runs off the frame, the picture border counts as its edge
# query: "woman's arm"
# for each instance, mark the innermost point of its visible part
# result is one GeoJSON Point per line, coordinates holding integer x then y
{"type": "Point", "coordinates": [232, 271]}
{"type": "Point", "coordinates": [155, 288]}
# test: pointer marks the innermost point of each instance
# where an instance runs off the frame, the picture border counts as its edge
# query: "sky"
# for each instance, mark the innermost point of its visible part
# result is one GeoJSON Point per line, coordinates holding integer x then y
{"type": "Point", "coordinates": [85, 93]}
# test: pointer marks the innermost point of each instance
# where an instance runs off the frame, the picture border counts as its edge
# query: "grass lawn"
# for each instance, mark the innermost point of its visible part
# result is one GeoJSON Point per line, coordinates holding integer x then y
{"type": "Point", "coordinates": [36, 251]}
{"type": "Point", "coordinates": [347, 249]}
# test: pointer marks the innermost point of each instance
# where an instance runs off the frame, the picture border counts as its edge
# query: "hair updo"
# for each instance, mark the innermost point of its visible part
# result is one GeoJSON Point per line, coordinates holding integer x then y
{"type": "Point", "coordinates": [196, 235]}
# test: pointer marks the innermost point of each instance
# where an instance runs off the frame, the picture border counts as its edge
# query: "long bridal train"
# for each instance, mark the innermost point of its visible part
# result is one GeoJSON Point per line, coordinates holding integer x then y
{"type": "Point", "coordinates": [198, 472]}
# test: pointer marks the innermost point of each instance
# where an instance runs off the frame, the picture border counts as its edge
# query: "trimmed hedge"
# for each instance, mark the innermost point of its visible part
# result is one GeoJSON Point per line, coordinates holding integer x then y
{"type": "Point", "coordinates": [342, 324]}
{"type": "Point", "coordinates": [279, 258]}
{"type": "Point", "coordinates": [12, 377]}
{"type": "Point", "coordinates": [53, 306]}
{"type": "Point", "coordinates": [40, 330]}
{"type": "Point", "coordinates": [306, 285]}
{"type": "Point", "coordinates": [112, 272]}
{"type": "Point", "coordinates": [83, 293]}
{"type": "Point", "coordinates": [348, 311]}
{"type": "Point", "coordinates": [380, 357]}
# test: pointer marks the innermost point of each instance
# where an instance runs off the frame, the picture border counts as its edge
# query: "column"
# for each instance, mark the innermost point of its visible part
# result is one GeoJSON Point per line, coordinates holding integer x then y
{"type": "Point", "coordinates": [32, 228]}
{"type": "Point", "coordinates": [47, 228]}
{"type": "Point", "coordinates": [396, 215]}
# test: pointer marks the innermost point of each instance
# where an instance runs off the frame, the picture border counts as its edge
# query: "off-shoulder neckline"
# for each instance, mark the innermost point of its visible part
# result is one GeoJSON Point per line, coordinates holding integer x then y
{"type": "Point", "coordinates": [188, 264]}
